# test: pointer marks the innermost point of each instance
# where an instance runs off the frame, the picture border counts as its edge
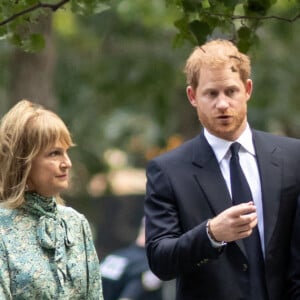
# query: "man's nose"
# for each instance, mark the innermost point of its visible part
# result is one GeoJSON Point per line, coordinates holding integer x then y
{"type": "Point", "coordinates": [222, 102]}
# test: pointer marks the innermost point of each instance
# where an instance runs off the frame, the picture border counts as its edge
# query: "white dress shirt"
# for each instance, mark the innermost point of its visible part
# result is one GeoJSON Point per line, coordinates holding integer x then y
{"type": "Point", "coordinates": [249, 166]}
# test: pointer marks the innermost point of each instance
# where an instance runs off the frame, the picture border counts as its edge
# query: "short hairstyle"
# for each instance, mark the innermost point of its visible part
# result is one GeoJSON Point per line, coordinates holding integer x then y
{"type": "Point", "coordinates": [25, 130]}
{"type": "Point", "coordinates": [216, 53]}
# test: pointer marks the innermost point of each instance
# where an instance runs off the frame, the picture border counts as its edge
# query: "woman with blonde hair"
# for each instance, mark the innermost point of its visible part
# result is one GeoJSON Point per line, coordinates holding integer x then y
{"type": "Point", "coordinates": [46, 248]}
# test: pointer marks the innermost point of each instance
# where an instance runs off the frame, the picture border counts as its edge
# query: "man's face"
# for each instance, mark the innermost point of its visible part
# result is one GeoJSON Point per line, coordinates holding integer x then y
{"type": "Point", "coordinates": [221, 101]}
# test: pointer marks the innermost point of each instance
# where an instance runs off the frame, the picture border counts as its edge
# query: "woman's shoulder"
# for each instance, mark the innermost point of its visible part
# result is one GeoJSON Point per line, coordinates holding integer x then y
{"type": "Point", "coordinates": [75, 221]}
{"type": "Point", "coordinates": [7, 215]}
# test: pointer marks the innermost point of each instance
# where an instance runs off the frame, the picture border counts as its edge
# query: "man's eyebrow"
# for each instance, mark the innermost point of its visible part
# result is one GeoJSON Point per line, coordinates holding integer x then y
{"type": "Point", "coordinates": [235, 57]}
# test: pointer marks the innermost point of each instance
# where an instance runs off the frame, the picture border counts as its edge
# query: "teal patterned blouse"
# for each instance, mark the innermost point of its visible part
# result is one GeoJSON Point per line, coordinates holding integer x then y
{"type": "Point", "coordinates": [47, 252]}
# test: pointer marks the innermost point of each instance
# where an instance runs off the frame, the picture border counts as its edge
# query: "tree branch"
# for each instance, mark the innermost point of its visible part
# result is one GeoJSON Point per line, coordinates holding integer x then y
{"type": "Point", "coordinates": [53, 7]}
{"type": "Point", "coordinates": [241, 17]}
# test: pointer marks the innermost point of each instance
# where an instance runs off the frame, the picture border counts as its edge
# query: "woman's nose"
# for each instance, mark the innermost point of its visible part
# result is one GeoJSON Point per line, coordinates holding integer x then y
{"type": "Point", "coordinates": [66, 163]}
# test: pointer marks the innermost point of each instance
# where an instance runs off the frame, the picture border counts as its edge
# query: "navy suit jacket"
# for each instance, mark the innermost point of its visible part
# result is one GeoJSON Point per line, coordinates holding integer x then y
{"type": "Point", "coordinates": [185, 188]}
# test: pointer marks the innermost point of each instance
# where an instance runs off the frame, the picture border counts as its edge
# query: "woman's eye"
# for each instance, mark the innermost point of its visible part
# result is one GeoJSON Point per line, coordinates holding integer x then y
{"type": "Point", "coordinates": [54, 153]}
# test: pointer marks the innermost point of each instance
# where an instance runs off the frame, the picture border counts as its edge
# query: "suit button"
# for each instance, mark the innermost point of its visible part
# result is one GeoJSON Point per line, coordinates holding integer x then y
{"type": "Point", "coordinates": [202, 262]}
{"type": "Point", "coordinates": [245, 267]}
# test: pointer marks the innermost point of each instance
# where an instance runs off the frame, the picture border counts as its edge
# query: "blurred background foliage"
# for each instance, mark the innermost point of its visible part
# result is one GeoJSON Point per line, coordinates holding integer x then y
{"type": "Point", "coordinates": [116, 79]}
{"type": "Point", "coordinates": [119, 82]}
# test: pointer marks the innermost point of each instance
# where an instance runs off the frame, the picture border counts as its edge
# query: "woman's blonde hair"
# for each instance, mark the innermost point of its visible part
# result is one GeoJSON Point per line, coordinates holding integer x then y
{"type": "Point", "coordinates": [216, 53]}
{"type": "Point", "coordinates": [25, 130]}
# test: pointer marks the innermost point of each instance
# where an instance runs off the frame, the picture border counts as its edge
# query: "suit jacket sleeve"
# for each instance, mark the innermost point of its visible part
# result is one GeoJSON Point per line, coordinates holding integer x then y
{"type": "Point", "coordinates": [294, 268]}
{"type": "Point", "coordinates": [171, 249]}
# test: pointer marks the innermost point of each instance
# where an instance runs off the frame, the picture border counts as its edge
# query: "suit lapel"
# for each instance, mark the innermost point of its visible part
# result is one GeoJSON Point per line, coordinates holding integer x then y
{"type": "Point", "coordinates": [209, 176]}
{"type": "Point", "coordinates": [269, 164]}
{"type": "Point", "coordinates": [210, 179]}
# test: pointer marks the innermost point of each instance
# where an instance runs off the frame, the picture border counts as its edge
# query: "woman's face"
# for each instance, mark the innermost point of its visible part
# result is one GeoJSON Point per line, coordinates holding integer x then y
{"type": "Point", "coordinates": [49, 174]}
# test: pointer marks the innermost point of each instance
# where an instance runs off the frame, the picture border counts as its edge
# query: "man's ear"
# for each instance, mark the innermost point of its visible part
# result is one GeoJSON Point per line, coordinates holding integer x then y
{"type": "Point", "coordinates": [191, 94]}
{"type": "Point", "coordinates": [249, 87]}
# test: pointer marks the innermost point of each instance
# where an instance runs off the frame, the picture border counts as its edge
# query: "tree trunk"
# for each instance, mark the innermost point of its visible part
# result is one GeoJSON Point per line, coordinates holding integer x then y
{"type": "Point", "coordinates": [32, 74]}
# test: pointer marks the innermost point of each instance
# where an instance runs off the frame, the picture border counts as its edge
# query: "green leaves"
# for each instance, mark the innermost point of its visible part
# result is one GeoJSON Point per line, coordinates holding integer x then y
{"type": "Point", "coordinates": [17, 18]}
{"type": "Point", "coordinates": [258, 7]}
{"type": "Point", "coordinates": [200, 30]}
{"type": "Point", "coordinates": [89, 7]}
{"type": "Point", "coordinates": [33, 43]}
{"type": "Point", "coordinates": [237, 20]}
{"type": "Point", "coordinates": [244, 38]}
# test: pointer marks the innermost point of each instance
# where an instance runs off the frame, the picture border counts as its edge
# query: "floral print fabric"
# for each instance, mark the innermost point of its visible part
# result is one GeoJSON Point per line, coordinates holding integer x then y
{"type": "Point", "coordinates": [47, 252]}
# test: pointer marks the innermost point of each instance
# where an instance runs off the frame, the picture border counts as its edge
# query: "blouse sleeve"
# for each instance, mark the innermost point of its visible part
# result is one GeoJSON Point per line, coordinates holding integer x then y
{"type": "Point", "coordinates": [93, 267]}
{"type": "Point", "coordinates": [4, 273]}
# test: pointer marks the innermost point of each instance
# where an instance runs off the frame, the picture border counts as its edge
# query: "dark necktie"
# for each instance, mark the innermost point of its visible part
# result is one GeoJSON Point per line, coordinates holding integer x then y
{"type": "Point", "coordinates": [241, 193]}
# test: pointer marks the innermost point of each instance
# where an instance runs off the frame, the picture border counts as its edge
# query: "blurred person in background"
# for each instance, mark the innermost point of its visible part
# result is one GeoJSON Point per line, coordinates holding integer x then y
{"type": "Point", "coordinates": [46, 248]}
{"type": "Point", "coordinates": [126, 274]}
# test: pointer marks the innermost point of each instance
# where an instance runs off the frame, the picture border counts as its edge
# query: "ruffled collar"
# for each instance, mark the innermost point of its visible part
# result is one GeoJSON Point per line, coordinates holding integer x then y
{"type": "Point", "coordinates": [40, 205]}
{"type": "Point", "coordinates": [52, 230]}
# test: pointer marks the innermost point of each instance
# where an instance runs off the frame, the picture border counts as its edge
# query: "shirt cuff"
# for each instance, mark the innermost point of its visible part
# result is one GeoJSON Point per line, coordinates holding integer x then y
{"type": "Point", "coordinates": [214, 243]}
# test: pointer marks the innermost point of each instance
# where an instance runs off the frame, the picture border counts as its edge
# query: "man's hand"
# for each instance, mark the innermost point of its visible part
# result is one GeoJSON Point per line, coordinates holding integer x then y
{"type": "Point", "coordinates": [234, 223]}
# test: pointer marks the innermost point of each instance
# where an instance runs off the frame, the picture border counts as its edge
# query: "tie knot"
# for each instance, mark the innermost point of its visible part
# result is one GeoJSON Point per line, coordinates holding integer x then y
{"type": "Point", "coordinates": [234, 148]}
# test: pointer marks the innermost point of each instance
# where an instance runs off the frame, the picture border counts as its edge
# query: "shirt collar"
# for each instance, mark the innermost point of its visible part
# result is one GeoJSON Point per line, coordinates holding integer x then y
{"type": "Point", "coordinates": [221, 146]}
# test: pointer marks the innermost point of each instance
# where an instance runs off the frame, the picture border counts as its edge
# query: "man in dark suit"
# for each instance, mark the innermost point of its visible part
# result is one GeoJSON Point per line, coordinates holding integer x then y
{"type": "Point", "coordinates": [194, 231]}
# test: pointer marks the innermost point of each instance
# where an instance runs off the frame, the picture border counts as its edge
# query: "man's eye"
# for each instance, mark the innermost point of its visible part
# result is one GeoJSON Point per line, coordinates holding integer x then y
{"type": "Point", "coordinates": [231, 92]}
